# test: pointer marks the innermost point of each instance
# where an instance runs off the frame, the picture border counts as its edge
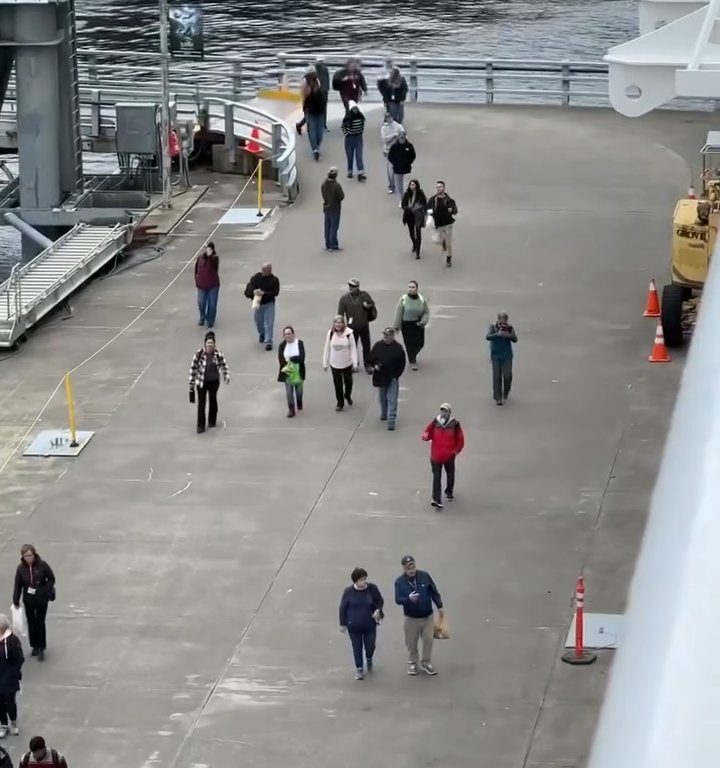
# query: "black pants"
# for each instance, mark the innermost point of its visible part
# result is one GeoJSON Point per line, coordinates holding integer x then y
{"type": "Point", "coordinates": [343, 381]}
{"type": "Point", "coordinates": [8, 707]}
{"type": "Point", "coordinates": [415, 230]}
{"type": "Point", "coordinates": [437, 468]}
{"type": "Point", "coordinates": [502, 379]}
{"type": "Point", "coordinates": [209, 391]}
{"type": "Point", "coordinates": [363, 336]}
{"type": "Point", "coordinates": [414, 339]}
{"type": "Point", "coordinates": [36, 613]}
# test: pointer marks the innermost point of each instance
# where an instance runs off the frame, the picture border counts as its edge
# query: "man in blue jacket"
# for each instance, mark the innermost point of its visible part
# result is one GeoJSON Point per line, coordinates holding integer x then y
{"type": "Point", "coordinates": [416, 592]}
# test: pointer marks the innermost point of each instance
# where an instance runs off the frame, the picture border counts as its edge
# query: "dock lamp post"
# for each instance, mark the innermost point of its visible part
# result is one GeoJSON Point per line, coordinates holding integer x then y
{"type": "Point", "coordinates": [165, 107]}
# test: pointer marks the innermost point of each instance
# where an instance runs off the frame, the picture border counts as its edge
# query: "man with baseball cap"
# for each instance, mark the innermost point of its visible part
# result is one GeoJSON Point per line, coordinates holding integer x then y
{"type": "Point", "coordinates": [446, 440]}
{"type": "Point", "coordinates": [332, 197]}
{"type": "Point", "coordinates": [387, 359]}
{"type": "Point", "coordinates": [358, 310]}
{"type": "Point", "coordinates": [416, 592]}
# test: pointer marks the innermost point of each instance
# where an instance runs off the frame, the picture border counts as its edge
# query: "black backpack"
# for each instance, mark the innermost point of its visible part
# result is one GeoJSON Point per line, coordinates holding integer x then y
{"type": "Point", "coordinates": [26, 759]}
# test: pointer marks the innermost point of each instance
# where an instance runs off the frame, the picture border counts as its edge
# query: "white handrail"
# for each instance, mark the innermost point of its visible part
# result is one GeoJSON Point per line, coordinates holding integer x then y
{"type": "Point", "coordinates": [661, 706]}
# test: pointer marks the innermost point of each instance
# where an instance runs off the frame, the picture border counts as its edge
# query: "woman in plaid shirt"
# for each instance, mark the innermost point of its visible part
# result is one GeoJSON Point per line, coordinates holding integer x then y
{"type": "Point", "coordinates": [208, 365]}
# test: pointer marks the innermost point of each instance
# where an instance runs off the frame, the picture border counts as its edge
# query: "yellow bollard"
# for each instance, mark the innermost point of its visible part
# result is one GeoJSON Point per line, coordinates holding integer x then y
{"type": "Point", "coordinates": [71, 410]}
{"type": "Point", "coordinates": [259, 187]}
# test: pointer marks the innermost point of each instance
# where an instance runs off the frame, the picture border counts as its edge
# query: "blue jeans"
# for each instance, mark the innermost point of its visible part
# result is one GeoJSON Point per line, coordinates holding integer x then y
{"type": "Point", "coordinates": [360, 639]}
{"type": "Point", "coordinates": [207, 304]}
{"type": "Point", "coordinates": [294, 392]}
{"type": "Point", "coordinates": [390, 175]}
{"type": "Point", "coordinates": [264, 321]}
{"type": "Point", "coordinates": [332, 224]}
{"type": "Point", "coordinates": [397, 111]}
{"type": "Point", "coordinates": [354, 152]}
{"type": "Point", "coordinates": [399, 183]}
{"type": "Point", "coordinates": [316, 130]}
{"type": "Point", "coordinates": [389, 400]}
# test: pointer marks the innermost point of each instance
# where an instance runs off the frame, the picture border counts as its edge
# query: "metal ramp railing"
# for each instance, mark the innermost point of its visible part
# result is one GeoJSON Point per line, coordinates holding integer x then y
{"type": "Point", "coordinates": [34, 289]}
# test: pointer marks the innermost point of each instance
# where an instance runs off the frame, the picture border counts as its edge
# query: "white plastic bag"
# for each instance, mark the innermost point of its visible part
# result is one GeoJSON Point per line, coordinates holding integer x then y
{"type": "Point", "coordinates": [18, 620]}
{"type": "Point", "coordinates": [429, 221]}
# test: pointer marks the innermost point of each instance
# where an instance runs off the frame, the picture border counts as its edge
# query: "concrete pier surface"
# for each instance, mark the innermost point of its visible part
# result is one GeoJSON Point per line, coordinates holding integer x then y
{"type": "Point", "coordinates": [199, 575]}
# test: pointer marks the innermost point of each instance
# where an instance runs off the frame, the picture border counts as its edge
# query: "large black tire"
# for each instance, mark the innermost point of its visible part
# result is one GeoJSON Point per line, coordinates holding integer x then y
{"type": "Point", "coordinates": [671, 315]}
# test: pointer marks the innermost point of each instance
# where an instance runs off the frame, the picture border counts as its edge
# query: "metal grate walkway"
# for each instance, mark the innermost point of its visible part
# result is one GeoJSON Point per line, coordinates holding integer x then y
{"type": "Point", "coordinates": [34, 289]}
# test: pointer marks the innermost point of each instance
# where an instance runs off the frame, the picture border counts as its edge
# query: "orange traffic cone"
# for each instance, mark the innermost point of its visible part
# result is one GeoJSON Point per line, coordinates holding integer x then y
{"type": "Point", "coordinates": [659, 352]}
{"type": "Point", "coordinates": [252, 145]}
{"type": "Point", "coordinates": [691, 193]}
{"type": "Point", "coordinates": [652, 308]}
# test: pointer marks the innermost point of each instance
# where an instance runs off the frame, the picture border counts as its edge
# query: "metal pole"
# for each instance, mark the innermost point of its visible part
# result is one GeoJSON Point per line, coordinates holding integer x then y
{"type": "Point", "coordinates": [165, 110]}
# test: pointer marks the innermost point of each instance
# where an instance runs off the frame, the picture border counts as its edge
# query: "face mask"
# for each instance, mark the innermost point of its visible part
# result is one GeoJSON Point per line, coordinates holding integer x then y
{"type": "Point", "coordinates": [441, 417]}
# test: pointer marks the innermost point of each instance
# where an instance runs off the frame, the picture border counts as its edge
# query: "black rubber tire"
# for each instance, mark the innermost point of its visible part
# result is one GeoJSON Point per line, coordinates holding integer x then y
{"type": "Point", "coordinates": [671, 310]}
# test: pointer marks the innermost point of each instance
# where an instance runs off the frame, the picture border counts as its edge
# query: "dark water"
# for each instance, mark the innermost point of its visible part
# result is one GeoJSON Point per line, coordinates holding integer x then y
{"type": "Point", "coordinates": [530, 29]}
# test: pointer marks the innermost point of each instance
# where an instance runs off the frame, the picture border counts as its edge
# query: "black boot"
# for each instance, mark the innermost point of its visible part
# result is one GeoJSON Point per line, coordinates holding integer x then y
{"type": "Point", "coordinates": [299, 403]}
{"type": "Point", "coordinates": [291, 411]}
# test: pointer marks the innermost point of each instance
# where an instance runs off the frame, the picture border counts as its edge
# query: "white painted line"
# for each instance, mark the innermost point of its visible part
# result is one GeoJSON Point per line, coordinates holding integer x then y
{"type": "Point", "coordinates": [182, 490]}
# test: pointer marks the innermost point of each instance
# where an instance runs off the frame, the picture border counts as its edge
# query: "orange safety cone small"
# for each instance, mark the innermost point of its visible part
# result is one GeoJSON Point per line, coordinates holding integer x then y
{"type": "Point", "coordinates": [691, 193]}
{"type": "Point", "coordinates": [253, 145]}
{"type": "Point", "coordinates": [659, 351]}
{"type": "Point", "coordinates": [652, 307]}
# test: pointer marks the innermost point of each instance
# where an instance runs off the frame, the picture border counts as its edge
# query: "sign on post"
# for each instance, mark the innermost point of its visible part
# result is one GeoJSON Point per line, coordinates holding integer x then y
{"type": "Point", "coordinates": [186, 30]}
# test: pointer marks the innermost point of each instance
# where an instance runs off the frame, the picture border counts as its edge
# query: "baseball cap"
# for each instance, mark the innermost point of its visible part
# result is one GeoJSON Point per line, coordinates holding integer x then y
{"type": "Point", "coordinates": [354, 283]}
{"type": "Point", "coordinates": [407, 560]}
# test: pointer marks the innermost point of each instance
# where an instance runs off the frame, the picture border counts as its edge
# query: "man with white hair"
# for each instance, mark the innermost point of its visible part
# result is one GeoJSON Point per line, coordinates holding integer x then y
{"type": "Point", "coordinates": [11, 661]}
{"type": "Point", "coordinates": [264, 286]}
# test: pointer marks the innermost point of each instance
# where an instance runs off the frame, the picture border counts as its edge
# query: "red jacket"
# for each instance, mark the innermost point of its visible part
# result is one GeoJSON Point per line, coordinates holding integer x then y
{"type": "Point", "coordinates": [447, 440]}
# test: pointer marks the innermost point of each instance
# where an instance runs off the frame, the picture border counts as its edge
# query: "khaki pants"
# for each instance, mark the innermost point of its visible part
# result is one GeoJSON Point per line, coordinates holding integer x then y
{"type": "Point", "coordinates": [445, 234]}
{"type": "Point", "coordinates": [416, 629]}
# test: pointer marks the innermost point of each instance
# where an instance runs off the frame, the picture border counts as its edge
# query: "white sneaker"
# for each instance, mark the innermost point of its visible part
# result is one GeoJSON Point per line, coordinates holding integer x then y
{"type": "Point", "coordinates": [14, 730]}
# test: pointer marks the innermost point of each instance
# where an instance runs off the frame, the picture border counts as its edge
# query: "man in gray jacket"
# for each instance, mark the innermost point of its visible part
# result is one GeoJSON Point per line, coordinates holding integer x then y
{"type": "Point", "coordinates": [358, 310]}
{"type": "Point", "coordinates": [332, 195]}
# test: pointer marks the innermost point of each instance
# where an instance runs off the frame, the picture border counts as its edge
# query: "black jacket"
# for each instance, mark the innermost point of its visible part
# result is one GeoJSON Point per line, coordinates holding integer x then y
{"type": "Point", "coordinates": [11, 661]}
{"type": "Point", "coordinates": [323, 76]}
{"type": "Point", "coordinates": [351, 308]}
{"type": "Point", "coordinates": [269, 284]}
{"type": "Point", "coordinates": [300, 359]}
{"type": "Point", "coordinates": [416, 214]}
{"type": "Point", "coordinates": [391, 360]}
{"type": "Point", "coordinates": [401, 156]}
{"type": "Point", "coordinates": [39, 577]}
{"type": "Point", "coordinates": [443, 210]}
{"type": "Point", "coordinates": [392, 93]}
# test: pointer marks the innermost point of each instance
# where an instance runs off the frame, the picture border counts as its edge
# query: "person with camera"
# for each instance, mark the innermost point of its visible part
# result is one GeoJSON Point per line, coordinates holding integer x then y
{"type": "Point", "coordinates": [35, 584]}
{"type": "Point", "coordinates": [501, 336]}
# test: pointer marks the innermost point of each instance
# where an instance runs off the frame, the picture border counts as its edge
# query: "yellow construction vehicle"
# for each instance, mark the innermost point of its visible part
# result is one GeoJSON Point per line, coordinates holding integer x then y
{"type": "Point", "coordinates": [695, 227]}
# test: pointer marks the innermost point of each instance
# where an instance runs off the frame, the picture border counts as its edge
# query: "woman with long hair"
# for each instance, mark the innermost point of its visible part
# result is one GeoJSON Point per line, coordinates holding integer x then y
{"type": "Point", "coordinates": [207, 282]}
{"type": "Point", "coordinates": [291, 357]}
{"type": "Point", "coordinates": [314, 101]}
{"type": "Point", "coordinates": [35, 584]}
{"type": "Point", "coordinates": [341, 356]}
{"type": "Point", "coordinates": [414, 203]}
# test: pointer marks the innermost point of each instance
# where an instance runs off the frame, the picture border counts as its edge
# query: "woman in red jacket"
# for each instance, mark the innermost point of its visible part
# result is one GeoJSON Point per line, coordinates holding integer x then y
{"type": "Point", "coordinates": [447, 440]}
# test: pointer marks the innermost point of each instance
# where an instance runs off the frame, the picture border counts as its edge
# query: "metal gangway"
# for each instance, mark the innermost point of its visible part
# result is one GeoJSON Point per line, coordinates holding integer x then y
{"type": "Point", "coordinates": [36, 288]}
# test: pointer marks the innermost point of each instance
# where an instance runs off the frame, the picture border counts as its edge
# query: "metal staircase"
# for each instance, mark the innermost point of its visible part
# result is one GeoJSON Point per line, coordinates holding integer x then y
{"type": "Point", "coordinates": [34, 289]}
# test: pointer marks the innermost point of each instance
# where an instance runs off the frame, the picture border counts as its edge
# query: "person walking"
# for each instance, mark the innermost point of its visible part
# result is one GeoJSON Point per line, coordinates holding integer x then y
{"type": "Point", "coordinates": [314, 102]}
{"type": "Point", "coordinates": [416, 592]}
{"type": "Point", "coordinates": [41, 754]}
{"type": "Point", "coordinates": [389, 132]}
{"type": "Point", "coordinates": [207, 366]}
{"type": "Point", "coordinates": [207, 282]}
{"type": "Point", "coordinates": [383, 77]}
{"type": "Point", "coordinates": [443, 210]}
{"type": "Point", "coordinates": [358, 309]}
{"type": "Point", "coordinates": [349, 81]}
{"type": "Point", "coordinates": [11, 661]}
{"type": "Point", "coordinates": [501, 336]}
{"type": "Point", "coordinates": [353, 125]}
{"type": "Point", "coordinates": [341, 355]}
{"type": "Point", "coordinates": [35, 584]}
{"type": "Point", "coordinates": [446, 442]}
{"type": "Point", "coordinates": [332, 197]}
{"type": "Point", "coordinates": [401, 156]}
{"type": "Point", "coordinates": [414, 204]}
{"type": "Point", "coordinates": [394, 91]}
{"type": "Point", "coordinates": [361, 611]}
{"type": "Point", "coordinates": [263, 288]}
{"type": "Point", "coordinates": [411, 317]}
{"type": "Point", "coordinates": [324, 77]}
{"type": "Point", "coordinates": [291, 357]}
{"type": "Point", "coordinates": [387, 359]}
